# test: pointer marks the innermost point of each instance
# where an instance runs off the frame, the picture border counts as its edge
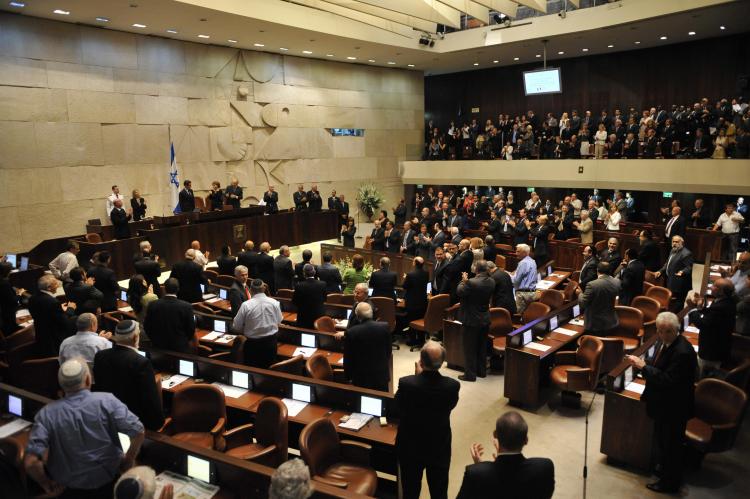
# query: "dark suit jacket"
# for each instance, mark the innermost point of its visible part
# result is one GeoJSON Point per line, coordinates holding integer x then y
{"type": "Point", "coordinates": [678, 227]}
{"type": "Point", "coordinates": [265, 271]}
{"type": "Point", "coordinates": [51, 324]}
{"type": "Point", "coordinates": [669, 382]}
{"type": "Point", "coordinates": [272, 201]}
{"type": "Point", "coordinates": [150, 270]}
{"type": "Point", "coordinates": [367, 355]}
{"type": "Point", "coordinates": [226, 265]}
{"type": "Point", "coordinates": [631, 279]}
{"type": "Point", "coordinates": [283, 273]}
{"type": "Point", "coordinates": [139, 208]}
{"type": "Point", "coordinates": [128, 376]}
{"type": "Point", "coordinates": [393, 242]}
{"type": "Point", "coordinates": [120, 221]}
{"type": "Point", "coordinates": [8, 306]}
{"type": "Point", "coordinates": [503, 294]}
{"type": "Point", "coordinates": [717, 323]}
{"type": "Point", "coordinates": [520, 233]}
{"type": "Point", "coordinates": [187, 201]}
{"type": "Point", "coordinates": [540, 234]}
{"type": "Point", "coordinates": [613, 259]}
{"type": "Point", "coordinates": [415, 292]}
{"type": "Point", "coordinates": [309, 298]}
{"type": "Point", "coordinates": [424, 402]}
{"type": "Point", "coordinates": [588, 272]}
{"type": "Point", "coordinates": [190, 275]}
{"type": "Point", "coordinates": [509, 476]}
{"type": "Point", "coordinates": [490, 252]}
{"type": "Point", "coordinates": [250, 260]}
{"type": "Point", "coordinates": [598, 304]}
{"type": "Point", "coordinates": [105, 281]}
{"type": "Point", "coordinates": [649, 255]}
{"type": "Point", "coordinates": [475, 295]}
{"type": "Point", "coordinates": [314, 201]}
{"type": "Point", "coordinates": [237, 296]}
{"type": "Point", "coordinates": [383, 283]}
{"type": "Point", "coordinates": [682, 261]}
{"type": "Point", "coordinates": [702, 221]}
{"type": "Point", "coordinates": [170, 324]}
{"type": "Point", "coordinates": [300, 200]}
{"type": "Point", "coordinates": [299, 270]}
{"type": "Point", "coordinates": [377, 239]}
{"type": "Point", "coordinates": [331, 275]}
{"type": "Point", "coordinates": [82, 294]}
{"type": "Point", "coordinates": [438, 276]}
{"type": "Point", "coordinates": [410, 245]}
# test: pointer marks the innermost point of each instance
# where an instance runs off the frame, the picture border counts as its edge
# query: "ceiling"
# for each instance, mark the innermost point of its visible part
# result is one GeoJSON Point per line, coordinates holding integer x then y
{"type": "Point", "coordinates": [387, 32]}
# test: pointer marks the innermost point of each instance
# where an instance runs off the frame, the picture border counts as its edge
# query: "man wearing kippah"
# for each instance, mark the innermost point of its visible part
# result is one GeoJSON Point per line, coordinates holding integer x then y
{"type": "Point", "coordinates": [258, 320]}
{"type": "Point", "coordinates": [63, 458]}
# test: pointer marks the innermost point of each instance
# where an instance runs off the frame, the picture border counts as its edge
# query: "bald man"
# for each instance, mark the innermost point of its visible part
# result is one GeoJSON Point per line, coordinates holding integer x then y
{"type": "Point", "coordinates": [716, 324]}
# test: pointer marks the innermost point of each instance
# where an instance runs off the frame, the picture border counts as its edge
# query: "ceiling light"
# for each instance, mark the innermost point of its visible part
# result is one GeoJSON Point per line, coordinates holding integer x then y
{"type": "Point", "coordinates": [102, 19]}
{"type": "Point", "coordinates": [662, 38]}
{"type": "Point", "coordinates": [612, 46]}
{"type": "Point", "coordinates": [391, 63]}
{"type": "Point", "coordinates": [495, 62]}
{"type": "Point", "coordinates": [537, 56]}
{"type": "Point", "coordinates": [370, 60]}
{"type": "Point", "coordinates": [258, 45]}
{"type": "Point", "coordinates": [204, 36]}
{"type": "Point", "coordinates": [136, 25]}
{"type": "Point", "coordinates": [476, 64]}
{"type": "Point", "coordinates": [351, 58]}
{"type": "Point", "coordinates": [173, 31]}
{"type": "Point", "coordinates": [232, 41]}
{"type": "Point", "coordinates": [722, 27]}
{"type": "Point", "coordinates": [691, 33]}
{"type": "Point", "coordinates": [306, 52]}
{"type": "Point", "coordinates": [637, 43]}
{"type": "Point", "coordinates": [327, 55]}
{"type": "Point", "coordinates": [410, 65]}
{"type": "Point", "coordinates": [584, 50]}
{"type": "Point", "coordinates": [283, 48]}
{"type": "Point", "coordinates": [560, 53]}
{"type": "Point", "coordinates": [19, 5]}
{"type": "Point", "coordinates": [61, 12]}
{"type": "Point", "coordinates": [515, 58]}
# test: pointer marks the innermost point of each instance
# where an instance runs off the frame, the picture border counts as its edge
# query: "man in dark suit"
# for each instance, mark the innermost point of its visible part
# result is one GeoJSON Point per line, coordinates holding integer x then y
{"type": "Point", "coordinates": [631, 274]}
{"type": "Point", "coordinates": [702, 146]}
{"type": "Point", "coordinates": [716, 324]}
{"type": "Point", "coordinates": [700, 218]}
{"type": "Point", "coordinates": [490, 251]}
{"type": "Point", "coordinates": [678, 270]}
{"type": "Point", "coordinates": [265, 269]}
{"type": "Point", "coordinates": [408, 246]}
{"type": "Point", "coordinates": [611, 255]}
{"type": "Point", "coordinates": [52, 322]}
{"type": "Point", "coordinates": [169, 322]}
{"type": "Point", "coordinates": [239, 291]}
{"type": "Point", "coordinates": [105, 281]}
{"type": "Point", "coordinates": [226, 262]}
{"type": "Point", "coordinates": [283, 271]}
{"type": "Point", "coordinates": [147, 264]}
{"type": "Point", "coordinates": [333, 201]}
{"type": "Point", "coordinates": [415, 295]}
{"type": "Point", "coordinates": [540, 234]}
{"type": "Point", "coordinates": [383, 281]}
{"type": "Point", "coordinates": [648, 252]}
{"type": "Point", "coordinates": [399, 213]}
{"type": "Point", "coordinates": [392, 238]}
{"type": "Point", "coordinates": [120, 218]}
{"type": "Point", "coordinates": [588, 269]}
{"type": "Point", "coordinates": [367, 351]}
{"type": "Point", "coordinates": [598, 302]}
{"type": "Point", "coordinates": [83, 293]}
{"type": "Point", "coordinates": [233, 194]}
{"type": "Point", "coordinates": [314, 200]}
{"type": "Point", "coordinates": [300, 198]}
{"type": "Point", "coordinates": [520, 229]}
{"type": "Point", "coordinates": [669, 397]}
{"type": "Point", "coordinates": [377, 237]}
{"type": "Point", "coordinates": [438, 271]}
{"type": "Point", "coordinates": [459, 265]}
{"type": "Point", "coordinates": [124, 373]}
{"type": "Point", "coordinates": [676, 226]}
{"type": "Point", "coordinates": [454, 220]}
{"type": "Point", "coordinates": [300, 266]}
{"type": "Point", "coordinates": [309, 298]}
{"type": "Point", "coordinates": [475, 295]}
{"type": "Point", "coordinates": [271, 198]}
{"type": "Point", "coordinates": [511, 474]}
{"type": "Point", "coordinates": [249, 258]}
{"type": "Point", "coordinates": [650, 144]}
{"type": "Point", "coordinates": [330, 274]}
{"type": "Point", "coordinates": [342, 209]}
{"type": "Point", "coordinates": [503, 294]}
{"type": "Point", "coordinates": [456, 237]}
{"type": "Point", "coordinates": [190, 276]}
{"type": "Point", "coordinates": [187, 198]}
{"type": "Point", "coordinates": [424, 402]}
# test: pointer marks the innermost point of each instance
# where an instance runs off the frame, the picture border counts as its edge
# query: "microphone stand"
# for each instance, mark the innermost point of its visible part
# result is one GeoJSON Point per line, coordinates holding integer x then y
{"type": "Point", "coordinates": [586, 446]}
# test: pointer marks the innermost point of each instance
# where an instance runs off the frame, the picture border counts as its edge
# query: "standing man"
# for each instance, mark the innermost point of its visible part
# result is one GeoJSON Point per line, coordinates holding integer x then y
{"type": "Point", "coordinates": [190, 277]}
{"type": "Point", "coordinates": [669, 397]}
{"type": "Point", "coordinates": [585, 228]}
{"type": "Point", "coordinates": [258, 320]}
{"type": "Point", "coordinates": [86, 342]}
{"type": "Point", "coordinates": [588, 269]}
{"type": "Point", "coordinates": [239, 292]}
{"type": "Point", "coordinates": [676, 225]}
{"type": "Point", "coordinates": [264, 268]}
{"type": "Point", "coordinates": [300, 198]}
{"type": "Point", "coordinates": [716, 324]}
{"type": "Point", "coordinates": [233, 194]}
{"type": "Point", "coordinates": [475, 295]}
{"type": "Point", "coordinates": [415, 294]}
{"type": "Point", "coordinates": [283, 270]}
{"type": "Point", "coordinates": [309, 298]}
{"type": "Point", "coordinates": [598, 302]}
{"type": "Point", "coordinates": [631, 275]}
{"type": "Point", "coordinates": [503, 294]}
{"type": "Point", "coordinates": [333, 201]}
{"type": "Point", "coordinates": [367, 351]}
{"type": "Point", "coordinates": [520, 228]}
{"type": "Point", "coordinates": [65, 261]}
{"type": "Point", "coordinates": [678, 272]}
{"type": "Point", "coordinates": [611, 255]}
{"type": "Point", "coordinates": [249, 258]}
{"type": "Point", "coordinates": [438, 270]}
{"type": "Point", "coordinates": [112, 198]}
{"type": "Point", "coordinates": [120, 219]}
{"type": "Point", "coordinates": [377, 237]}
{"type": "Point", "coordinates": [524, 278]}
{"type": "Point", "coordinates": [105, 280]}
{"type": "Point", "coordinates": [83, 463]}
{"type": "Point", "coordinates": [700, 219]}
{"type": "Point", "coordinates": [399, 212]}
{"type": "Point", "coordinates": [187, 198]}
{"type": "Point", "coordinates": [730, 222]}
{"type": "Point", "coordinates": [53, 322]}
{"type": "Point", "coordinates": [383, 282]}
{"type": "Point", "coordinates": [313, 198]}
{"type": "Point", "coordinates": [424, 402]}
{"type": "Point", "coordinates": [330, 274]}
{"type": "Point", "coordinates": [648, 252]}
{"type": "Point", "coordinates": [200, 258]}
{"type": "Point", "coordinates": [271, 198]}
{"type": "Point", "coordinates": [342, 209]}
{"type": "Point", "coordinates": [169, 322]}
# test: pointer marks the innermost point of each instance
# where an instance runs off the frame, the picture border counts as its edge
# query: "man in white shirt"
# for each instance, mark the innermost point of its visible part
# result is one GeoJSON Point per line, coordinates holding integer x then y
{"type": "Point", "coordinates": [200, 258]}
{"type": "Point", "coordinates": [86, 342]}
{"type": "Point", "coordinates": [577, 204]}
{"type": "Point", "coordinates": [65, 262]}
{"type": "Point", "coordinates": [258, 320]}
{"type": "Point", "coordinates": [729, 222]}
{"type": "Point", "coordinates": [112, 198]}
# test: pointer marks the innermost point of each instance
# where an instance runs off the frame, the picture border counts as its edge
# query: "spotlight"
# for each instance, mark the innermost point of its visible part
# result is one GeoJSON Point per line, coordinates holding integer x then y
{"type": "Point", "coordinates": [426, 40]}
{"type": "Point", "coordinates": [501, 19]}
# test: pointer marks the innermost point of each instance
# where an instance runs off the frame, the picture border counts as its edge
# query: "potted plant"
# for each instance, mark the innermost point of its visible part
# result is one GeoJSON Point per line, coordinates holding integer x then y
{"type": "Point", "coordinates": [370, 199]}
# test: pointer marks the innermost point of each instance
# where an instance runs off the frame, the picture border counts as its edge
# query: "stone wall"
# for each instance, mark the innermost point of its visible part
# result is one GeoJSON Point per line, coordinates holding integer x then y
{"type": "Point", "coordinates": [83, 108]}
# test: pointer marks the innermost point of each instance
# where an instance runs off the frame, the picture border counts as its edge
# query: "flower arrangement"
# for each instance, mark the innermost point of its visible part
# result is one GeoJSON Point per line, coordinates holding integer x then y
{"type": "Point", "coordinates": [346, 263]}
{"type": "Point", "coordinates": [370, 199]}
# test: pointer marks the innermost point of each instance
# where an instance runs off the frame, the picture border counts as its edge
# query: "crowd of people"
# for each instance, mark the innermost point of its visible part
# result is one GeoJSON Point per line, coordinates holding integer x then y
{"type": "Point", "coordinates": [701, 130]}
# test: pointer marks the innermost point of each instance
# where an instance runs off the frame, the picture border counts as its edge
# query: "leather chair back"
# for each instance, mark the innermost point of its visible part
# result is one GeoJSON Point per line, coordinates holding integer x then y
{"type": "Point", "coordinates": [16, 357]}
{"type": "Point", "coordinates": [386, 310]}
{"type": "Point", "coordinates": [630, 321]}
{"type": "Point", "coordinates": [614, 351]}
{"type": "Point", "coordinates": [589, 355]}
{"type": "Point", "coordinates": [553, 298]}
{"type": "Point", "coordinates": [570, 291]}
{"type": "Point", "coordinates": [504, 247]}
{"type": "Point", "coordinates": [237, 354]}
{"type": "Point", "coordinates": [740, 376]}
{"type": "Point", "coordinates": [40, 376]}
{"type": "Point", "coordinates": [534, 311]}
{"type": "Point", "coordinates": [93, 238]}
{"type": "Point", "coordinates": [500, 261]}
{"type": "Point", "coordinates": [336, 298]}
{"type": "Point", "coordinates": [650, 277]}
{"type": "Point", "coordinates": [573, 240]}
{"type": "Point", "coordinates": [501, 323]}
{"type": "Point", "coordinates": [720, 405]}
{"type": "Point", "coordinates": [600, 245]}
{"type": "Point", "coordinates": [20, 337]}
{"type": "Point", "coordinates": [285, 293]}
{"type": "Point", "coordinates": [650, 309]}
{"type": "Point", "coordinates": [433, 317]}
{"type": "Point", "coordinates": [210, 274]}
{"type": "Point", "coordinates": [319, 446]}
{"type": "Point", "coordinates": [224, 280]}
{"type": "Point", "coordinates": [272, 427]}
{"type": "Point", "coordinates": [200, 203]}
{"type": "Point", "coordinates": [660, 294]}
{"type": "Point", "coordinates": [197, 408]}
{"type": "Point", "coordinates": [325, 324]}
{"type": "Point", "coordinates": [318, 367]}
{"type": "Point", "coordinates": [295, 365]}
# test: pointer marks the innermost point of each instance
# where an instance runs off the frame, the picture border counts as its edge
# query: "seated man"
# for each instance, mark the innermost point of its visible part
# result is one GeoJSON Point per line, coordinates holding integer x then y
{"type": "Point", "coordinates": [511, 474]}
{"type": "Point", "coordinates": [86, 342]}
{"type": "Point", "coordinates": [83, 293]}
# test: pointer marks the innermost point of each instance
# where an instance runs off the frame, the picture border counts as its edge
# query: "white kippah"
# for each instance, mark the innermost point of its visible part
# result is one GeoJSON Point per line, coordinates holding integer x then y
{"type": "Point", "coordinates": [71, 373]}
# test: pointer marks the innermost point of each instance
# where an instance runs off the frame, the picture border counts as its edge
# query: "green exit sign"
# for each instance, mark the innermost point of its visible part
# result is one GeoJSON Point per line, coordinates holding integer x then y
{"type": "Point", "coordinates": [667, 194]}
{"type": "Point", "coordinates": [529, 189]}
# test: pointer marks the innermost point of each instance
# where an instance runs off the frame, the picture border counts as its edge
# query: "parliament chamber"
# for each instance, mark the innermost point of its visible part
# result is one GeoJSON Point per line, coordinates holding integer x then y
{"type": "Point", "coordinates": [394, 248]}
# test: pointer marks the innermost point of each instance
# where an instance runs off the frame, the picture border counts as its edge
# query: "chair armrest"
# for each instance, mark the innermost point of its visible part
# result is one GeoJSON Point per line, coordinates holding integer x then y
{"type": "Point", "coordinates": [166, 428]}
{"type": "Point", "coordinates": [356, 452]}
{"type": "Point", "coordinates": [219, 428]}
{"type": "Point", "coordinates": [266, 457]}
{"type": "Point", "coordinates": [565, 358]}
{"type": "Point", "coordinates": [724, 427]}
{"type": "Point", "coordinates": [239, 435]}
{"type": "Point", "coordinates": [219, 355]}
{"type": "Point", "coordinates": [203, 351]}
{"type": "Point", "coordinates": [579, 377]}
{"type": "Point", "coordinates": [452, 309]}
{"type": "Point", "coordinates": [333, 483]}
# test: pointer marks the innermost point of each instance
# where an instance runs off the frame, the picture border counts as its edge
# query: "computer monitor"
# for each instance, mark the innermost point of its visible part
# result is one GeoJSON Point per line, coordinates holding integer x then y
{"type": "Point", "coordinates": [198, 468]}
{"type": "Point", "coordinates": [11, 259]}
{"type": "Point", "coordinates": [369, 291]}
{"type": "Point", "coordinates": [429, 288]}
{"type": "Point", "coordinates": [220, 326]}
{"type": "Point", "coordinates": [203, 288]}
{"type": "Point", "coordinates": [24, 264]}
{"type": "Point", "coordinates": [307, 340]}
{"type": "Point", "coordinates": [123, 295]}
{"type": "Point", "coordinates": [348, 314]}
{"type": "Point", "coordinates": [371, 405]}
{"type": "Point", "coordinates": [303, 393]}
{"type": "Point", "coordinates": [222, 293]}
{"type": "Point", "coordinates": [186, 368]}
{"type": "Point", "coordinates": [15, 405]}
{"type": "Point", "coordinates": [240, 379]}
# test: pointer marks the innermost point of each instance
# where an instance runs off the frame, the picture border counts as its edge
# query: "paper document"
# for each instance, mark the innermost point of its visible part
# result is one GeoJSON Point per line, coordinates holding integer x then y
{"type": "Point", "coordinates": [692, 329]}
{"type": "Point", "coordinates": [185, 487]}
{"type": "Point", "coordinates": [294, 407]}
{"type": "Point", "coordinates": [576, 322]}
{"type": "Point", "coordinates": [537, 346]}
{"type": "Point", "coordinates": [305, 351]}
{"type": "Point", "coordinates": [212, 336]}
{"type": "Point", "coordinates": [213, 300]}
{"type": "Point", "coordinates": [227, 338]}
{"type": "Point", "coordinates": [341, 324]}
{"type": "Point", "coordinates": [568, 332]}
{"type": "Point", "coordinates": [14, 426]}
{"type": "Point", "coordinates": [635, 387]}
{"type": "Point", "coordinates": [230, 391]}
{"type": "Point", "coordinates": [356, 421]}
{"type": "Point", "coordinates": [545, 284]}
{"type": "Point", "coordinates": [714, 274]}
{"type": "Point", "coordinates": [173, 381]}
{"type": "Point", "coordinates": [22, 312]}
{"type": "Point", "coordinates": [125, 309]}
{"type": "Point", "coordinates": [27, 323]}
{"type": "Point", "coordinates": [208, 296]}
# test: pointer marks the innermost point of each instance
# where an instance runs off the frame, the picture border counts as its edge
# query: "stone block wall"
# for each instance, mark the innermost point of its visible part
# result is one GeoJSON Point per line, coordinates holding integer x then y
{"type": "Point", "coordinates": [83, 108]}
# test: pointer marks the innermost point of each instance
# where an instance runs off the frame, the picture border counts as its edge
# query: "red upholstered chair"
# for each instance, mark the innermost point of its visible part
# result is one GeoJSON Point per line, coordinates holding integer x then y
{"type": "Point", "coordinates": [660, 294]}
{"type": "Point", "coordinates": [40, 376]}
{"type": "Point", "coordinates": [500, 262]}
{"type": "Point", "coordinates": [432, 322]}
{"type": "Point", "coordinates": [719, 407]}
{"type": "Point", "coordinates": [93, 238]}
{"type": "Point", "coordinates": [553, 298]}
{"type": "Point", "coordinates": [325, 324]}
{"type": "Point", "coordinates": [266, 440]}
{"type": "Point", "coordinates": [294, 365]}
{"type": "Point", "coordinates": [285, 293]}
{"type": "Point", "coordinates": [630, 327]}
{"type": "Point", "coordinates": [579, 370]}
{"type": "Point", "coordinates": [570, 291]}
{"type": "Point", "coordinates": [650, 309]}
{"type": "Point", "coordinates": [501, 324]}
{"type": "Point", "coordinates": [343, 464]}
{"type": "Point", "coordinates": [223, 280]}
{"type": "Point", "coordinates": [198, 416]}
{"type": "Point", "coordinates": [318, 367]}
{"type": "Point", "coordinates": [236, 354]}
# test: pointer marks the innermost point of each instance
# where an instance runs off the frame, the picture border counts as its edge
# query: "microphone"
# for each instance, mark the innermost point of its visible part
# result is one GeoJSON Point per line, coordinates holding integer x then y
{"type": "Point", "coordinates": [586, 446]}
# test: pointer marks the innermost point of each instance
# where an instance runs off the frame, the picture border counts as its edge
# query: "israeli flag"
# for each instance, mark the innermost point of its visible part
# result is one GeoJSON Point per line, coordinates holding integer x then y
{"type": "Point", "coordinates": [174, 184]}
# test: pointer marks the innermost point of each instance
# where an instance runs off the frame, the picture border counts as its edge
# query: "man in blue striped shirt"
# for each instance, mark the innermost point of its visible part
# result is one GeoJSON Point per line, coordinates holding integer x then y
{"type": "Point", "coordinates": [524, 278]}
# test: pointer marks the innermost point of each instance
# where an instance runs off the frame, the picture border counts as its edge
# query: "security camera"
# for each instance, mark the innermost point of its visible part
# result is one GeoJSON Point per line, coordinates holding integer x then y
{"type": "Point", "coordinates": [562, 14]}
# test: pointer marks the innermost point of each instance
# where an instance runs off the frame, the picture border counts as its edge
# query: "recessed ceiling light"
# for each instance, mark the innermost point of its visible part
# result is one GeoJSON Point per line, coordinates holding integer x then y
{"type": "Point", "coordinates": [561, 52]}
{"type": "Point", "coordinates": [722, 27]}
{"type": "Point", "coordinates": [662, 38]}
{"type": "Point", "coordinates": [691, 33]}
{"type": "Point", "coordinates": [173, 31]}
{"type": "Point", "coordinates": [283, 48]}
{"type": "Point", "coordinates": [258, 45]}
{"type": "Point", "coordinates": [61, 12]}
{"type": "Point", "coordinates": [351, 58]}
{"type": "Point", "coordinates": [584, 50]}
{"type": "Point", "coordinates": [136, 25]}
{"type": "Point", "coordinates": [306, 52]}
{"type": "Point", "coordinates": [232, 41]}
{"type": "Point", "coordinates": [327, 55]}
{"type": "Point", "coordinates": [495, 62]}
{"type": "Point", "coordinates": [410, 65]}
{"type": "Point", "coordinates": [19, 5]}
{"type": "Point", "coordinates": [391, 63]}
{"type": "Point", "coordinates": [637, 43]}
{"type": "Point", "coordinates": [204, 36]}
{"type": "Point", "coordinates": [515, 58]}
{"type": "Point", "coordinates": [370, 60]}
{"type": "Point", "coordinates": [537, 56]}
{"type": "Point", "coordinates": [102, 19]}
{"type": "Point", "coordinates": [476, 64]}
{"type": "Point", "coordinates": [612, 46]}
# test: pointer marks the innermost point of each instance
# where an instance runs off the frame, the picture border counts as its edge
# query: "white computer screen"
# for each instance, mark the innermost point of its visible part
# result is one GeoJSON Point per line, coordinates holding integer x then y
{"type": "Point", "coordinates": [11, 259]}
{"type": "Point", "coordinates": [303, 393]}
{"type": "Point", "coordinates": [187, 368]}
{"type": "Point", "coordinates": [543, 81]}
{"type": "Point", "coordinates": [429, 288]}
{"type": "Point", "coordinates": [220, 326]}
{"type": "Point", "coordinates": [527, 337]}
{"type": "Point", "coordinates": [24, 263]}
{"type": "Point", "coordinates": [142, 353]}
{"type": "Point", "coordinates": [240, 379]}
{"type": "Point", "coordinates": [223, 294]}
{"type": "Point", "coordinates": [307, 340]}
{"type": "Point", "coordinates": [576, 310]}
{"type": "Point", "coordinates": [348, 314]}
{"type": "Point", "coordinates": [371, 405]}
{"type": "Point", "coordinates": [198, 468]}
{"type": "Point", "coordinates": [369, 291]}
{"type": "Point", "coordinates": [203, 288]}
{"type": "Point", "coordinates": [552, 323]}
{"type": "Point", "coordinates": [15, 405]}
{"type": "Point", "coordinates": [123, 295]}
